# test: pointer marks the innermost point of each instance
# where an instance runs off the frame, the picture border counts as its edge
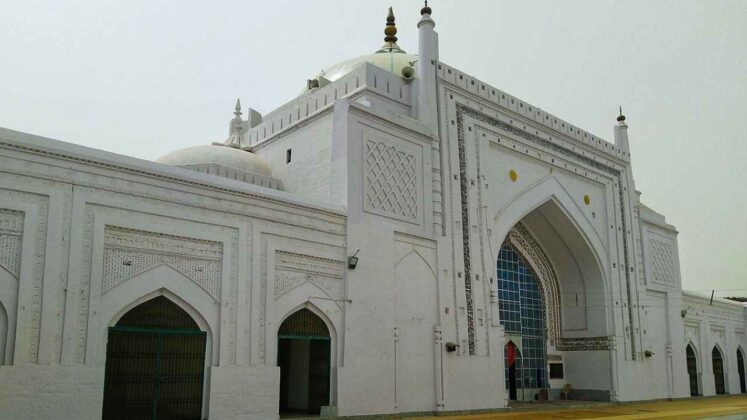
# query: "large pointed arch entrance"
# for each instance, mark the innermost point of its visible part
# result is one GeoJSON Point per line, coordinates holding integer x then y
{"type": "Point", "coordinates": [554, 303]}
{"type": "Point", "coordinates": [155, 361]}
{"type": "Point", "coordinates": [304, 358]}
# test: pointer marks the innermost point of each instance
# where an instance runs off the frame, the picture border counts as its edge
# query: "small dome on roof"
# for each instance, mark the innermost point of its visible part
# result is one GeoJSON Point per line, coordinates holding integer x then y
{"type": "Point", "coordinates": [225, 156]}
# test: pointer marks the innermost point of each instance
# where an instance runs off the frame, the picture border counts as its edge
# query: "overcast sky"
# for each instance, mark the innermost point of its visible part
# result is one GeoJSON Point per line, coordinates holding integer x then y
{"type": "Point", "coordinates": [145, 77]}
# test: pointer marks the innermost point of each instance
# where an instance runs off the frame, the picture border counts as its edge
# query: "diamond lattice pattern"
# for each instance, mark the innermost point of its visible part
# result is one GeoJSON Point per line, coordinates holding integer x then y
{"type": "Point", "coordinates": [391, 176]}
{"type": "Point", "coordinates": [663, 262]}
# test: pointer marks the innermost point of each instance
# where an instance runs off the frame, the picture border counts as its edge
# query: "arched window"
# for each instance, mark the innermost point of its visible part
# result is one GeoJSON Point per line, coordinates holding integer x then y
{"type": "Point", "coordinates": [718, 371]}
{"type": "Point", "coordinates": [155, 360]}
{"type": "Point", "coordinates": [740, 370]}
{"type": "Point", "coordinates": [692, 370]}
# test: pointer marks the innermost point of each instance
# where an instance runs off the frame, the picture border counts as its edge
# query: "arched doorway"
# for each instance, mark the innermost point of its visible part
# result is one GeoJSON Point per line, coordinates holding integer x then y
{"type": "Point", "coordinates": [522, 314]}
{"type": "Point", "coordinates": [718, 371]}
{"type": "Point", "coordinates": [155, 361]}
{"type": "Point", "coordinates": [740, 370]}
{"type": "Point", "coordinates": [304, 359]}
{"type": "Point", "coordinates": [692, 370]}
{"type": "Point", "coordinates": [513, 364]}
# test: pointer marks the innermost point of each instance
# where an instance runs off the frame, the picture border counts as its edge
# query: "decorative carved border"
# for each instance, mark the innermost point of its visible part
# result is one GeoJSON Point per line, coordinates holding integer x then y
{"type": "Point", "coordinates": [41, 202]}
{"type": "Point", "coordinates": [129, 252]}
{"type": "Point", "coordinates": [531, 252]}
{"type": "Point", "coordinates": [292, 270]}
{"type": "Point", "coordinates": [461, 111]}
{"type": "Point", "coordinates": [586, 344]}
{"type": "Point", "coordinates": [11, 233]}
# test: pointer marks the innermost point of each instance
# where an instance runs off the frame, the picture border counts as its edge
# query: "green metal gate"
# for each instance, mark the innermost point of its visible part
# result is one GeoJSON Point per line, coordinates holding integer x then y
{"type": "Point", "coordinates": [154, 373]}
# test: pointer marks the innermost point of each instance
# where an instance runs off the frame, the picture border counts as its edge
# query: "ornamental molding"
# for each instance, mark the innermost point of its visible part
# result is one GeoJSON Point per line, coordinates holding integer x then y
{"type": "Point", "coordinates": [610, 169]}
{"type": "Point", "coordinates": [130, 252]}
{"type": "Point", "coordinates": [90, 161]}
{"type": "Point", "coordinates": [293, 270]}
{"type": "Point", "coordinates": [532, 253]}
{"type": "Point", "coordinates": [38, 233]}
{"type": "Point", "coordinates": [585, 344]}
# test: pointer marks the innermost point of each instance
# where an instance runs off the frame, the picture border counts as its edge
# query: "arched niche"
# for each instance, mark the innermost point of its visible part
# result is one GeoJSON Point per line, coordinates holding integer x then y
{"type": "Point", "coordinates": [741, 370]}
{"type": "Point", "coordinates": [155, 363]}
{"type": "Point", "coordinates": [304, 356]}
{"type": "Point", "coordinates": [719, 370]}
{"type": "Point", "coordinates": [561, 235]}
{"type": "Point", "coordinates": [693, 372]}
{"type": "Point", "coordinates": [162, 280]}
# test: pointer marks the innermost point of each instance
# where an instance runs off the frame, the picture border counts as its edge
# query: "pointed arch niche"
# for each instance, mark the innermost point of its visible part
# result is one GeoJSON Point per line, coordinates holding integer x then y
{"type": "Point", "coordinates": [571, 280]}
{"type": "Point", "coordinates": [564, 254]}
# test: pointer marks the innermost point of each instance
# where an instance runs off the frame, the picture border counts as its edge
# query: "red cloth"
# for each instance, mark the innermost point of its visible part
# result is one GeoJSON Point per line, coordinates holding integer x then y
{"type": "Point", "coordinates": [511, 352]}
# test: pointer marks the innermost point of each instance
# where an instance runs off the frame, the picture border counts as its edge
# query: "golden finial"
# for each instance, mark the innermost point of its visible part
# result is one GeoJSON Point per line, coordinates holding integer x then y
{"type": "Point", "coordinates": [391, 29]}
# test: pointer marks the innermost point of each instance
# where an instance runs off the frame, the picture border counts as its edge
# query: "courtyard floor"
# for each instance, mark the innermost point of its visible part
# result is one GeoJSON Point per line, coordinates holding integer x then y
{"type": "Point", "coordinates": [727, 407]}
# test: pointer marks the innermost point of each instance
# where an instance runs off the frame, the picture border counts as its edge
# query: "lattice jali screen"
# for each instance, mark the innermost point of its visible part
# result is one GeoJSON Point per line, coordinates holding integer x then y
{"type": "Point", "coordinates": [663, 262]}
{"type": "Point", "coordinates": [390, 181]}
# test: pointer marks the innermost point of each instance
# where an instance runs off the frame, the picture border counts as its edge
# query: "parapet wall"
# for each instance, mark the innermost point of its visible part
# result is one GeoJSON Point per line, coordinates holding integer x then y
{"type": "Point", "coordinates": [527, 111]}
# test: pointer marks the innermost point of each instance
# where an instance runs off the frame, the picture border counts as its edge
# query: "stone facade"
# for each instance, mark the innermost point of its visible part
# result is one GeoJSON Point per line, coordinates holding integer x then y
{"type": "Point", "coordinates": [423, 180]}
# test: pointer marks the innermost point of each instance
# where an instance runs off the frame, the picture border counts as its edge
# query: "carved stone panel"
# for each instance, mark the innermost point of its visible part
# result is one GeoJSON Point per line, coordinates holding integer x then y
{"type": "Point", "coordinates": [663, 262]}
{"type": "Point", "coordinates": [129, 252]}
{"type": "Point", "coordinates": [293, 270]}
{"type": "Point", "coordinates": [11, 231]}
{"type": "Point", "coordinates": [390, 180]}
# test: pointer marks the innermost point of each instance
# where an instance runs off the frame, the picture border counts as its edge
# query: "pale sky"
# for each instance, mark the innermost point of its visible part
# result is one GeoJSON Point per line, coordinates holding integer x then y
{"type": "Point", "coordinates": [145, 77]}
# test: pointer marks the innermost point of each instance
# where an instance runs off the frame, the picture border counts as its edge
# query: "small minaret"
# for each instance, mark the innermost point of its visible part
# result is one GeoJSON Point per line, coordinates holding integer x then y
{"type": "Point", "coordinates": [236, 127]}
{"type": "Point", "coordinates": [621, 133]}
{"type": "Point", "coordinates": [426, 110]}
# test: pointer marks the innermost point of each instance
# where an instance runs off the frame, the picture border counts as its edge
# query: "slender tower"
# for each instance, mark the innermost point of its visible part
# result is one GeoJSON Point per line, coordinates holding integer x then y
{"type": "Point", "coordinates": [621, 133]}
{"type": "Point", "coordinates": [426, 109]}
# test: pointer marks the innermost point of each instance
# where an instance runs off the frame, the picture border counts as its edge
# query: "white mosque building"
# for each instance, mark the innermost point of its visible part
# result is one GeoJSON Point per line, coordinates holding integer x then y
{"type": "Point", "coordinates": [400, 238]}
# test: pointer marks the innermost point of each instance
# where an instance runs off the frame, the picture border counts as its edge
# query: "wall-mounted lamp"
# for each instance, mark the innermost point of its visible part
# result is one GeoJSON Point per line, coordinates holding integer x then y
{"type": "Point", "coordinates": [353, 260]}
{"type": "Point", "coordinates": [648, 353]}
{"type": "Point", "coordinates": [451, 347]}
{"type": "Point", "coordinates": [683, 312]}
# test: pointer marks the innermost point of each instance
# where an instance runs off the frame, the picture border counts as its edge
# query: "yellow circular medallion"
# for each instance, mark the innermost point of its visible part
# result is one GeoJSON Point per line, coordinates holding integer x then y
{"type": "Point", "coordinates": [513, 175]}
{"type": "Point", "coordinates": [587, 200]}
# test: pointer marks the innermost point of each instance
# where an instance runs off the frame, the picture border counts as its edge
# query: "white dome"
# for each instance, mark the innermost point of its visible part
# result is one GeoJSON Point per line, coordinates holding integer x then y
{"type": "Point", "coordinates": [392, 60]}
{"type": "Point", "coordinates": [219, 155]}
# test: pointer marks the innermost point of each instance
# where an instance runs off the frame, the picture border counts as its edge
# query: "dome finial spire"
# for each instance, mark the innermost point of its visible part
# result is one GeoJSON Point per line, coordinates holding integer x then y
{"type": "Point", "coordinates": [236, 127]}
{"type": "Point", "coordinates": [426, 10]}
{"type": "Point", "coordinates": [391, 28]}
{"type": "Point", "coordinates": [237, 110]}
{"type": "Point", "coordinates": [621, 117]}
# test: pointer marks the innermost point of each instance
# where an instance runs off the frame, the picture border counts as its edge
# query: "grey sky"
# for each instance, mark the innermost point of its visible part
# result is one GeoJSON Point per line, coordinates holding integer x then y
{"type": "Point", "coordinates": [144, 77]}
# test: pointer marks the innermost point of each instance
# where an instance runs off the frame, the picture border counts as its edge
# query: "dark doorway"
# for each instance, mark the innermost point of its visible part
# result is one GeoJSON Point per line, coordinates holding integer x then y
{"type": "Point", "coordinates": [155, 360]}
{"type": "Point", "coordinates": [740, 370]}
{"type": "Point", "coordinates": [692, 370]}
{"type": "Point", "coordinates": [513, 367]}
{"type": "Point", "coordinates": [718, 371]}
{"type": "Point", "coordinates": [304, 361]}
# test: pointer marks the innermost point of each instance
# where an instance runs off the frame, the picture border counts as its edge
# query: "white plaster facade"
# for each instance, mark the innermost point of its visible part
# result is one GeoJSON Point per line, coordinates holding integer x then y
{"type": "Point", "coordinates": [424, 177]}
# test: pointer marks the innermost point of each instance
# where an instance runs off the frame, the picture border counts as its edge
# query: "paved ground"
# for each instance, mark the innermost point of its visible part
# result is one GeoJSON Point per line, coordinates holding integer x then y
{"type": "Point", "coordinates": [728, 407]}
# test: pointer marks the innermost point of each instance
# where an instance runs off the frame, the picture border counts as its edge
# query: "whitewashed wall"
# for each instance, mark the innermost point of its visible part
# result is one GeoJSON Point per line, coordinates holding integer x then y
{"type": "Point", "coordinates": [87, 235]}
